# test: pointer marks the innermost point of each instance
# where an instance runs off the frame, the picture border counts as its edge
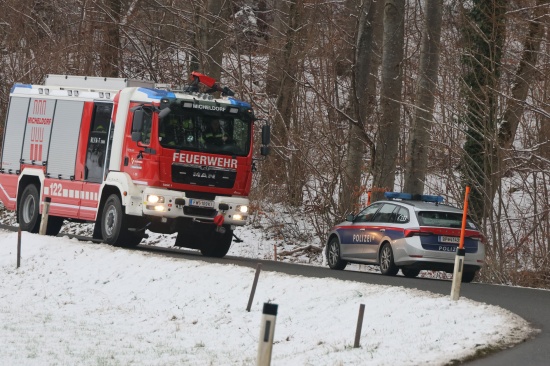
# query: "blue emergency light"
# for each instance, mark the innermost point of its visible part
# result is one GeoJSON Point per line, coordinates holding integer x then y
{"type": "Point", "coordinates": [408, 196]}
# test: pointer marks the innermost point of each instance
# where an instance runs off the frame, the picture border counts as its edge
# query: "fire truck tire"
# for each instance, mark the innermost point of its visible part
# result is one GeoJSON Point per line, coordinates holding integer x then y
{"type": "Point", "coordinates": [28, 213]}
{"type": "Point", "coordinates": [54, 225]}
{"type": "Point", "coordinates": [114, 225]}
{"type": "Point", "coordinates": [216, 244]}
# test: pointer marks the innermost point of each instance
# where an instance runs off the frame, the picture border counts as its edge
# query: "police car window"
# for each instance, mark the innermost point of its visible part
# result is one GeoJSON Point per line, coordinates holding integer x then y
{"type": "Point", "coordinates": [385, 213]}
{"type": "Point", "coordinates": [402, 215]}
{"type": "Point", "coordinates": [443, 219]}
{"type": "Point", "coordinates": [368, 213]}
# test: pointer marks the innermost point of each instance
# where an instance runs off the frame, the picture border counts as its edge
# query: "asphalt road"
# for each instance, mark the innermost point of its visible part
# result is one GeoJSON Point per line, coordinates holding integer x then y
{"type": "Point", "coordinates": [531, 304]}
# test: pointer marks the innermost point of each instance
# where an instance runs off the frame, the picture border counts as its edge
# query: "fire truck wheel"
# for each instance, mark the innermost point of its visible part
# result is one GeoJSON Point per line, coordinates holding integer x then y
{"type": "Point", "coordinates": [28, 214]}
{"type": "Point", "coordinates": [114, 227]}
{"type": "Point", "coordinates": [216, 244]}
{"type": "Point", "coordinates": [54, 225]}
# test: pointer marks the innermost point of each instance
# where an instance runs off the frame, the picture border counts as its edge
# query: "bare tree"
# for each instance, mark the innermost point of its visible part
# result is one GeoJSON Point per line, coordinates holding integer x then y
{"type": "Point", "coordinates": [362, 98]}
{"type": "Point", "coordinates": [390, 98]}
{"type": "Point", "coordinates": [416, 165]}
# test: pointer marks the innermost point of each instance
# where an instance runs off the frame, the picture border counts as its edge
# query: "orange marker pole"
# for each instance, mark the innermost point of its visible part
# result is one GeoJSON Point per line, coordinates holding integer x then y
{"type": "Point", "coordinates": [460, 253]}
{"type": "Point", "coordinates": [464, 218]}
{"type": "Point", "coordinates": [368, 197]}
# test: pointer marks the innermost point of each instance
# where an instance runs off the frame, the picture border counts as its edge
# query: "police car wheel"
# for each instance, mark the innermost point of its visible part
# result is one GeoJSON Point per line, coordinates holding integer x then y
{"type": "Point", "coordinates": [333, 255]}
{"type": "Point", "coordinates": [387, 265]}
{"type": "Point", "coordinates": [410, 273]}
{"type": "Point", "coordinates": [468, 276]}
{"type": "Point", "coordinates": [28, 213]}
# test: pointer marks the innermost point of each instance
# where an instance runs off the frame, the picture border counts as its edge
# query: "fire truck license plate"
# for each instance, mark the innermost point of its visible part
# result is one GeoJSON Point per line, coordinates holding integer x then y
{"type": "Point", "coordinates": [449, 239]}
{"type": "Point", "coordinates": [201, 203]}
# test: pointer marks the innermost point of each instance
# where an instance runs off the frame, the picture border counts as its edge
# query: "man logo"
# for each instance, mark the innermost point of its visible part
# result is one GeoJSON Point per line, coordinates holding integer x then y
{"type": "Point", "coordinates": [204, 175]}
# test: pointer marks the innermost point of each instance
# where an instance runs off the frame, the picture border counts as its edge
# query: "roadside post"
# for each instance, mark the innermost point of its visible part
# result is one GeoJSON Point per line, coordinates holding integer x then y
{"type": "Point", "coordinates": [267, 330]}
{"type": "Point", "coordinates": [19, 247]}
{"type": "Point", "coordinates": [254, 284]}
{"type": "Point", "coordinates": [357, 342]}
{"type": "Point", "coordinates": [45, 212]}
{"type": "Point", "coordinates": [460, 253]}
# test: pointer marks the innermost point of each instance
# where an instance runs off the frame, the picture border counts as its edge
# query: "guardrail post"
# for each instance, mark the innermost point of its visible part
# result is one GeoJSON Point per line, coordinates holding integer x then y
{"type": "Point", "coordinates": [45, 213]}
{"type": "Point", "coordinates": [267, 330]}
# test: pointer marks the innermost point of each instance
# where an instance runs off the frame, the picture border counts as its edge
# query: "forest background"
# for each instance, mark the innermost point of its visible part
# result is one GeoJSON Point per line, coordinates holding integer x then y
{"type": "Point", "coordinates": [425, 96]}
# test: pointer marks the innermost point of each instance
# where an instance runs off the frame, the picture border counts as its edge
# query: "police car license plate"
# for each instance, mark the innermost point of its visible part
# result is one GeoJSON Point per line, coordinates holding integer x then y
{"type": "Point", "coordinates": [449, 239]}
{"type": "Point", "coordinates": [201, 203]}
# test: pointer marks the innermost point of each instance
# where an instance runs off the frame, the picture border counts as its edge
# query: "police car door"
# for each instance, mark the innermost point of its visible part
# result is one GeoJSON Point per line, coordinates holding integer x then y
{"type": "Point", "coordinates": [356, 238]}
{"type": "Point", "coordinates": [381, 227]}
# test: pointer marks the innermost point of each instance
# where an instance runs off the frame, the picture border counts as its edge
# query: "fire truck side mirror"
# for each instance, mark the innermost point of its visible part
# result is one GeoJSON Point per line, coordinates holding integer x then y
{"type": "Point", "coordinates": [137, 124]}
{"type": "Point", "coordinates": [266, 135]}
{"type": "Point", "coordinates": [164, 112]}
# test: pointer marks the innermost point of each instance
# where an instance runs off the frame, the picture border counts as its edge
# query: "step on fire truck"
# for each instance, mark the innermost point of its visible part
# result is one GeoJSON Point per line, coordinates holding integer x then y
{"type": "Point", "coordinates": [130, 157]}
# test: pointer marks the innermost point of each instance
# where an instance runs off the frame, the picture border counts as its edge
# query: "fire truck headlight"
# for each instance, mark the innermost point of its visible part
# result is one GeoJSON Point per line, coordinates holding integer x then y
{"type": "Point", "coordinates": [243, 208]}
{"type": "Point", "coordinates": [159, 208]}
{"type": "Point", "coordinates": [237, 217]}
{"type": "Point", "coordinates": [153, 198]}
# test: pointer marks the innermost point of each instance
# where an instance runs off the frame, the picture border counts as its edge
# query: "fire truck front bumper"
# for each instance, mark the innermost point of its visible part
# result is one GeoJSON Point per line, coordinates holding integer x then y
{"type": "Point", "coordinates": [173, 204]}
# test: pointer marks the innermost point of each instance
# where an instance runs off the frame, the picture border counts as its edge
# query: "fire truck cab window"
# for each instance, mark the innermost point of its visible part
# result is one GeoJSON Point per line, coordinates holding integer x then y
{"type": "Point", "coordinates": [216, 134]}
{"type": "Point", "coordinates": [97, 142]}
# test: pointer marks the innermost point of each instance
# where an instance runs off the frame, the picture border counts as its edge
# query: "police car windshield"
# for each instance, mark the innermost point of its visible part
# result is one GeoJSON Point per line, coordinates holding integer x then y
{"type": "Point", "coordinates": [443, 219]}
{"type": "Point", "coordinates": [210, 133]}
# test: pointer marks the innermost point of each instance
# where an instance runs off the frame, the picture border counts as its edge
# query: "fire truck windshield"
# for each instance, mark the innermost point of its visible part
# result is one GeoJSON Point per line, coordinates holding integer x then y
{"type": "Point", "coordinates": [205, 132]}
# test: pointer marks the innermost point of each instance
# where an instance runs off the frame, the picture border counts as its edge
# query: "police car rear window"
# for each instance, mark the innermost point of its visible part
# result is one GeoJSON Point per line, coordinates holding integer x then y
{"type": "Point", "coordinates": [443, 219]}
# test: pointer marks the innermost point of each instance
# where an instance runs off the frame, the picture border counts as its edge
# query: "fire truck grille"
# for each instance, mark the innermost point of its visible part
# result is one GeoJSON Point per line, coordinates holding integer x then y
{"type": "Point", "coordinates": [203, 176]}
{"type": "Point", "coordinates": [198, 211]}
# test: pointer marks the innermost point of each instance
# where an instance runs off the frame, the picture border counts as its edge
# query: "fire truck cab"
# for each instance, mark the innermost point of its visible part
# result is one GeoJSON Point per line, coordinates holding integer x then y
{"type": "Point", "coordinates": [129, 157]}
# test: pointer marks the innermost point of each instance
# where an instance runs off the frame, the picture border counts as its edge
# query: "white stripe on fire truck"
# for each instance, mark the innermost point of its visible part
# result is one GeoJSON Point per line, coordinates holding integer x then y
{"type": "Point", "coordinates": [6, 193]}
{"type": "Point", "coordinates": [84, 208]}
{"type": "Point", "coordinates": [87, 195]}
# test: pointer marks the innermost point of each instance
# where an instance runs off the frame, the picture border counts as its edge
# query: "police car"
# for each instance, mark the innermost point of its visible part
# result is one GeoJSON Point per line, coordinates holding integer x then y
{"type": "Point", "coordinates": [406, 233]}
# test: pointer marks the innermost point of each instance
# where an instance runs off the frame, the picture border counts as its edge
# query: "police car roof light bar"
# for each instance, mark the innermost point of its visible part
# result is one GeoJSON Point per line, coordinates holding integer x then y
{"type": "Point", "coordinates": [408, 196]}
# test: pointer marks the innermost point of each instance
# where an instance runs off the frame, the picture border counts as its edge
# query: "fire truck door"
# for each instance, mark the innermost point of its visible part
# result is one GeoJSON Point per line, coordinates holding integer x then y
{"type": "Point", "coordinates": [96, 154]}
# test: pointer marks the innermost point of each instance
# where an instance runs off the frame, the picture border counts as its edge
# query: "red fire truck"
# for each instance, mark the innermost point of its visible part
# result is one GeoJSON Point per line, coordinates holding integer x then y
{"type": "Point", "coordinates": [130, 157]}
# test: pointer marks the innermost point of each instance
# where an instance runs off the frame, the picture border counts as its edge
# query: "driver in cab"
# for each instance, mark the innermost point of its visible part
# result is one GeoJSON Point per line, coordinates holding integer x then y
{"type": "Point", "coordinates": [214, 133]}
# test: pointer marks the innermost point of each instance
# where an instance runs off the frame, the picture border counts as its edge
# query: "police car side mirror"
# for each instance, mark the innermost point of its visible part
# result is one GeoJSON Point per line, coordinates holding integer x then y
{"type": "Point", "coordinates": [350, 217]}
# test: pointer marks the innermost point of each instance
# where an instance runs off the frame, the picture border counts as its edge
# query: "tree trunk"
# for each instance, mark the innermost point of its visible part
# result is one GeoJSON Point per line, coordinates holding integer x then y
{"type": "Point", "coordinates": [211, 38]}
{"type": "Point", "coordinates": [484, 38]}
{"type": "Point", "coordinates": [110, 49]}
{"type": "Point", "coordinates": [523, 78]}
{"type": "Point", "coordinates": [390, 98]}
{"type": "Point", "coordinates": [416, 164]}
{"type": "Point", "coordinates": [362, 100]}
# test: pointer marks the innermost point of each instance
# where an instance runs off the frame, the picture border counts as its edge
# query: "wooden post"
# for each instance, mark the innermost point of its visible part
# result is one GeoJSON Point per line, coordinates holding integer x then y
{"type": "Point", "coordinates": [253, 291]}
{"type": "Point", "coordinates": [45, 212]}
{"type": "Point", "coordinates": [267, 330]}
{"type": "Point", "coordinates": [275, 251]}
{"type": "Point", "coordinates": [19, 247]}
{"type": "Point", "coordinates": [359, 326]}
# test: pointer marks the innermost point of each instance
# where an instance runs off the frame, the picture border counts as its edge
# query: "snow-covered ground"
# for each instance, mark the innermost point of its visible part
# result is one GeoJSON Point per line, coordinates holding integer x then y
{"type": "Point", "coordinates": [79, 303]}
